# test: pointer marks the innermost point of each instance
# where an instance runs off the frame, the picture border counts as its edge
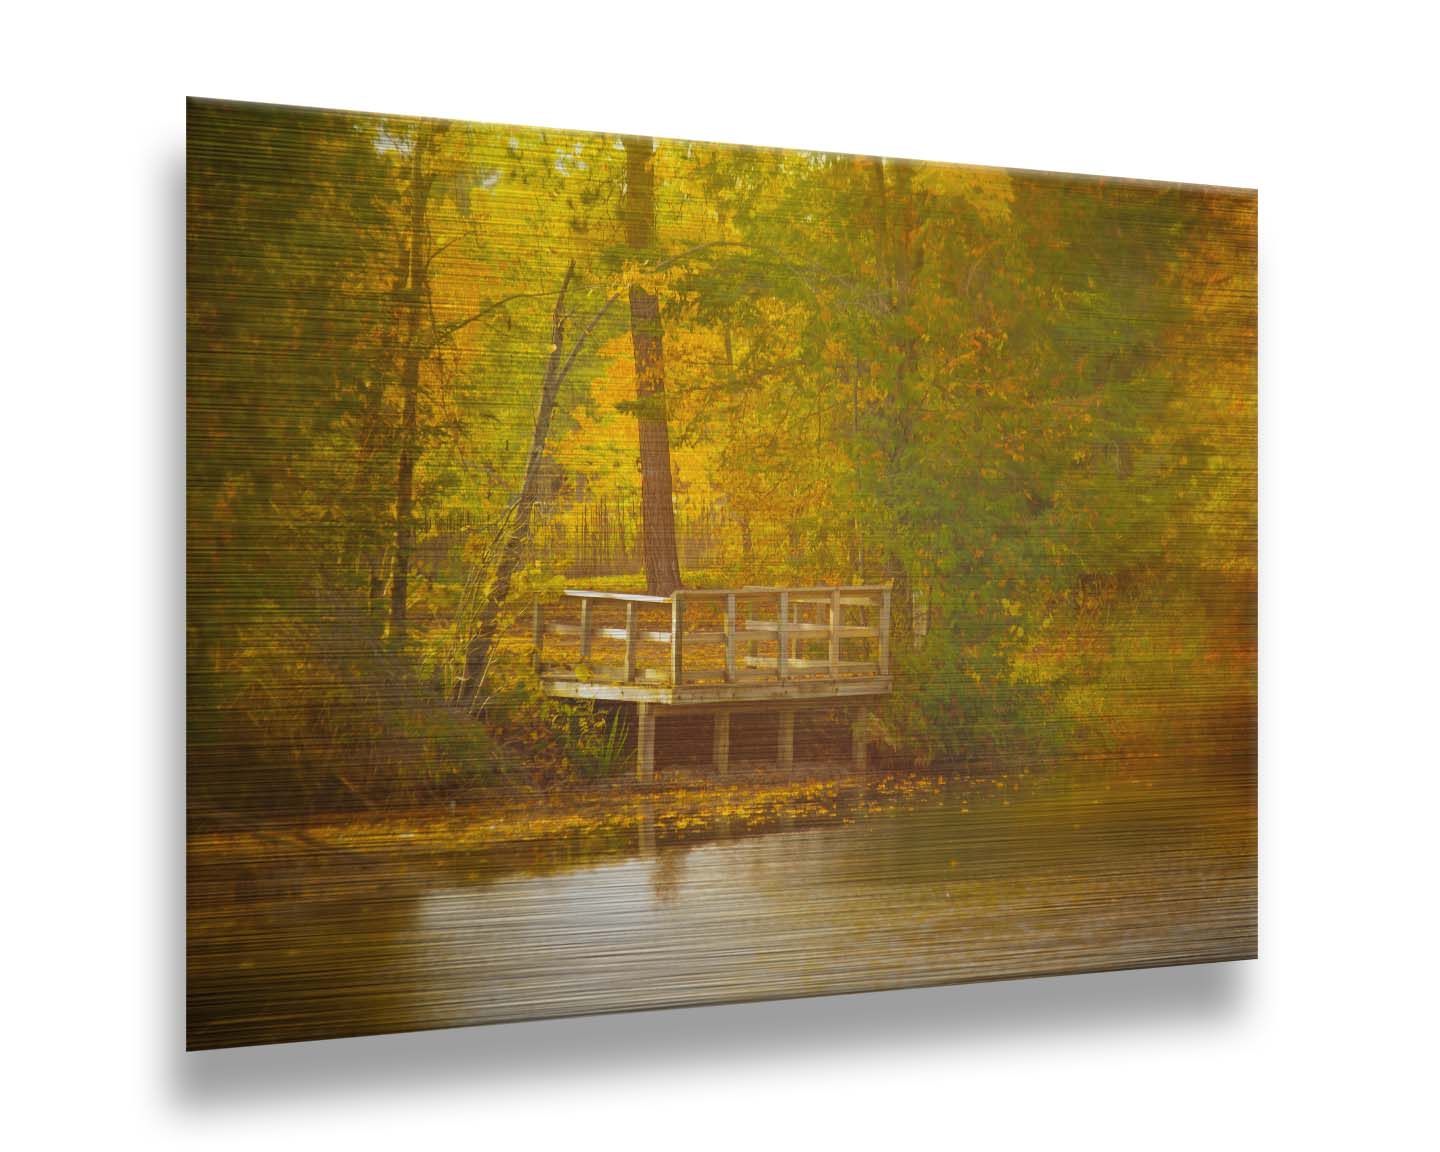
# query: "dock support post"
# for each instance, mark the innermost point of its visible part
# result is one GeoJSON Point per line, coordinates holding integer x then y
{"type": "Point", "coordinates": [786, 747]}
{"type": "Point", "coordinates": [722, 741]}
{"type": "Point", "coordinates": [860, 737]}
{"type": "Point", "coordinates": [644, 742]}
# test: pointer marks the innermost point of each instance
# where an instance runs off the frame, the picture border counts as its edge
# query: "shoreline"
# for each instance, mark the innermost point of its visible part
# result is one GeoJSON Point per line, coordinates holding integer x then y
{"type": "Point", "coordinates": [520, 824]}
{"type": "Point", "coordinates": [529, 828]}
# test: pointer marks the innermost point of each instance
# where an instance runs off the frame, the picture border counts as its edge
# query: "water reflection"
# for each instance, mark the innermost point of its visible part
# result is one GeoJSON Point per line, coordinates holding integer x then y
{"type": "Point", "coordinates": [1156, 870]}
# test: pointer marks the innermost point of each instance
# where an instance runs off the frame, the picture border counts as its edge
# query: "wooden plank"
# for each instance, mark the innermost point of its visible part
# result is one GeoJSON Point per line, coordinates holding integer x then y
{"type": "Point", "coordinates": [748, 695]}
{"type": "Point", "coordinates": [584, 629]}
{"type": "Point", "coordinates": [786, 739]}
{"type": "Point", "coordinates": [626, 597]}
{"type": "Point", "coordinates": [631, 637]}
{"type": "Point", "coordinates": [730, 636]}
{"type": "Point", "coordinates": [855, 595]}
{"type": "Point", "coordinates": [796, 628]}
{"type": "Point", "coordinates": [820, 688]}
{"type": "Point", "coordinates": [607, 673]}
{"type": "Point", "coordinates": [606, 633]}
{"type": "Point", "coordinates": [722, 741]}
{"type": "Point", "coordinates": [677, 638]}
{"type": "Point", "coordinates": [764, 590]}
{"type": "Point", "coordinates": [759, 693]}
{"type": "Point", "coordinates": [744, 707]}
{"type": "Point", "coordinates": [657, 693]}
{"type": "Point", "coordinates": [765, 629]}
{"type": "Point", "coordinates": [753, 589]}
{"type": "Point", "coordinates": [803, 664]}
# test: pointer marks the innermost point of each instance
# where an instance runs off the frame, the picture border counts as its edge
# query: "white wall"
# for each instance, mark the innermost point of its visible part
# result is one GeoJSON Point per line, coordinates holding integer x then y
{"type": "Point", "coordinates": [1326, 1038]}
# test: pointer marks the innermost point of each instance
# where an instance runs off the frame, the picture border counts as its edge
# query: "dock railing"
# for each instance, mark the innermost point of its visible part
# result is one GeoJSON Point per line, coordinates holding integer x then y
{"type": "Point", "coordinates": [717, 635]}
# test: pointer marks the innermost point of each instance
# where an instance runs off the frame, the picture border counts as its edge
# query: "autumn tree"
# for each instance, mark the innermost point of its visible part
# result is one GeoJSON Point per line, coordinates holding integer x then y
{"type": "Point", "coordinates": [420, 354]}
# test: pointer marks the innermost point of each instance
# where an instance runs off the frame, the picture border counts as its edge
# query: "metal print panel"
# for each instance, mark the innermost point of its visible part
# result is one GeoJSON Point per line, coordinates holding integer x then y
{"type": "Point", "coordinates": [625, 573]}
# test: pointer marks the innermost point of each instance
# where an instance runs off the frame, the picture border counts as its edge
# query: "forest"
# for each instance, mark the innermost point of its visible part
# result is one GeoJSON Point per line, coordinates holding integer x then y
{"type": "Point", "coordinates": [438, 371]}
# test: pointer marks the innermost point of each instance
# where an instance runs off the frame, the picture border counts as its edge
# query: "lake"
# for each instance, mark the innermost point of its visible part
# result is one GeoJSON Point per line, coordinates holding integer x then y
{"type": "Point", "coordinates": [1131, 865]}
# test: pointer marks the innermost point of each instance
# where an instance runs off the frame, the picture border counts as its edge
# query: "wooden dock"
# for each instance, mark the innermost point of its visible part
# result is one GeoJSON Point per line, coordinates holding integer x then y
{"type": "Point", "coordinates": [721, 652]}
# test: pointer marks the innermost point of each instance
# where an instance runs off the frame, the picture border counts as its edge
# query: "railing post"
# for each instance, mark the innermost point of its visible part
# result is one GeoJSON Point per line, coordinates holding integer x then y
{"type": "Point", "coordinates": [782, 634]}
{"type": "Point", "coordinates": [677, 636]}
{"type": "Point", "coordinates": [730, 637]}
{"type": "Point", "coordinates": [584, 629]}
{"type": "Point", "coordinates": [538, 636]}
{"type": "Point", "coordinates": [835, 632]}
{"type": "Point", "coordinates": [631, 637]}
{"type": "Point", "coordinates": [885, 632]}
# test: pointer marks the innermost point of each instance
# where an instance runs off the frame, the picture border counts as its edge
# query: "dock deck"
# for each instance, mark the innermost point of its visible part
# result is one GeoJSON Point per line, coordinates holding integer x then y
{"type": "Point", "coordinates": [721, 651]}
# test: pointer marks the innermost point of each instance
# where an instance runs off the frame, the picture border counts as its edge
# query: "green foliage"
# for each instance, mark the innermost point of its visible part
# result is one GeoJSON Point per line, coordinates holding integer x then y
{"type": "Point", "coordinates": [298, 722]}
{"type": "Point", "coordinates": [595, 742]}
{"type": "Point", "coordinates": [1028, 400]}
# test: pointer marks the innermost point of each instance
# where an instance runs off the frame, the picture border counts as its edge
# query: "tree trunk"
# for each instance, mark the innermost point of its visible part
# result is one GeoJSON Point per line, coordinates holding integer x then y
{"type": "Point", "coordinates": [657, 506]}
{"type": "Point", "coordinates": [477, 651]}
{"type": "Point", "coordinates": [413, 300]}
